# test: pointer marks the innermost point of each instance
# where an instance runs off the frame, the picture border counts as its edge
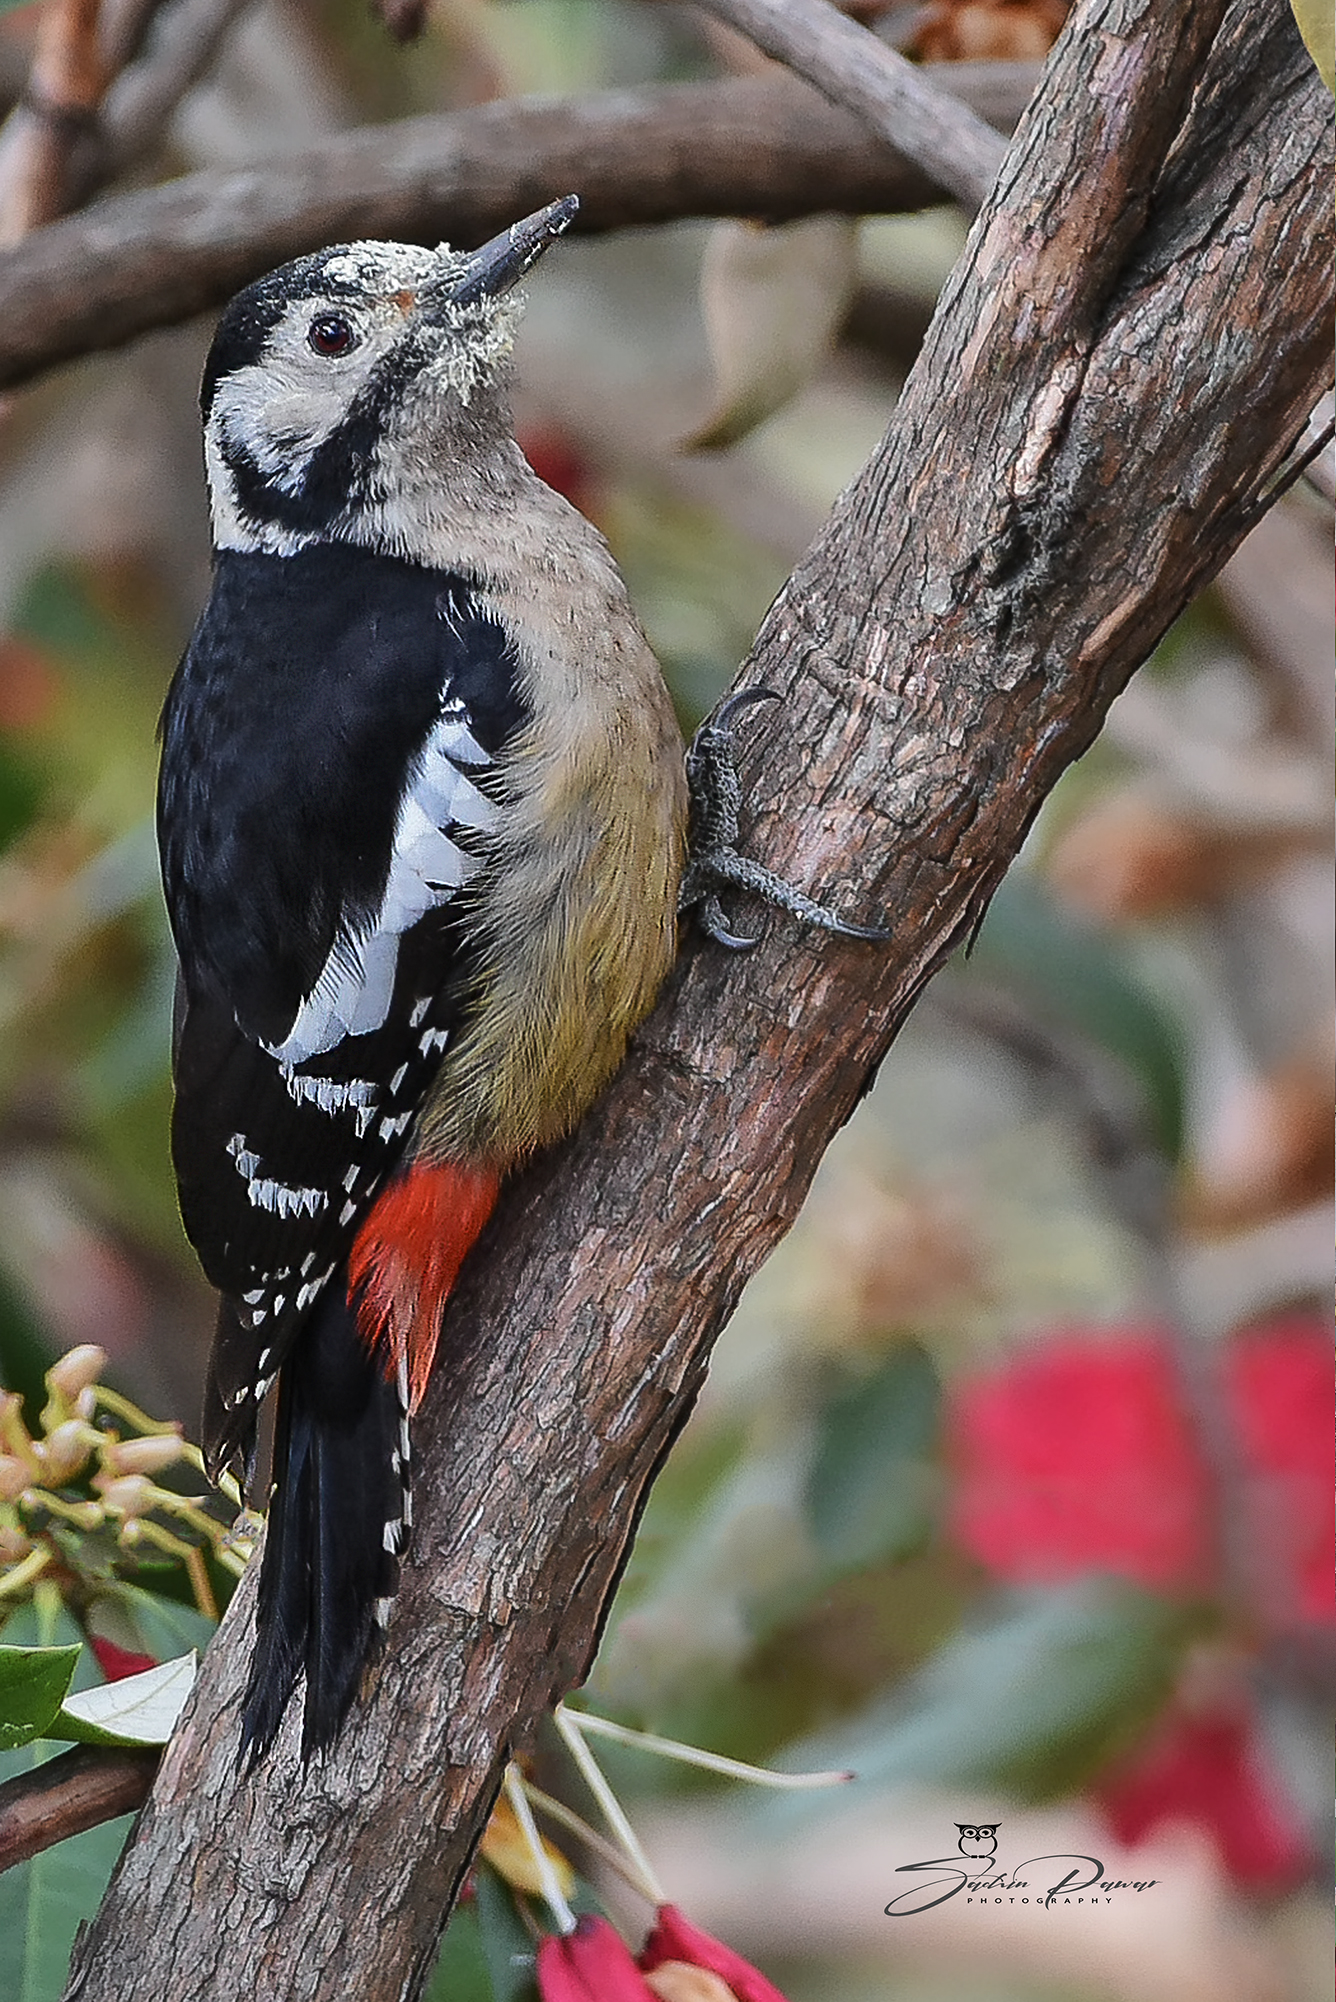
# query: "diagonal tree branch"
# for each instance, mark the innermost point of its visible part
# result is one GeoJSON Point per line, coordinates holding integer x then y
{"type": "Point", "coordinates": [752, 147]}
{"type": "Point", "coordinates": [1139, 327]}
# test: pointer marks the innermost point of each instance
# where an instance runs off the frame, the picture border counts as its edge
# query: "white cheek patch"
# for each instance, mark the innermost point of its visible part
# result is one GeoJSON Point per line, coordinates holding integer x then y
{"type": "Point", "coordinates": [352, 993]}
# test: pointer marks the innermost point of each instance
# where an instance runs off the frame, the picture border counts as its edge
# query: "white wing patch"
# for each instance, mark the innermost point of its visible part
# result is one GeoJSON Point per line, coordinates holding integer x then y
{"type": "Point", "coordinates": [352, 993]}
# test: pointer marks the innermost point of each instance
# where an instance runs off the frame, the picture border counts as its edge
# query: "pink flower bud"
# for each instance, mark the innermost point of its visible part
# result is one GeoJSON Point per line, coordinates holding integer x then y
{"type": "Point", "coordinates": [14, 1545]}
{"type": "Point", "coordinates": [76, 1370]}
{"type": "Point", "coordinates": [15, 1476]}
{"type": "Point", "coordinates": [62, 1453]}
{"type": "Point", "coordinates": [127, 1494]}
{"type": "Point", "coordinates": [142, 1456]}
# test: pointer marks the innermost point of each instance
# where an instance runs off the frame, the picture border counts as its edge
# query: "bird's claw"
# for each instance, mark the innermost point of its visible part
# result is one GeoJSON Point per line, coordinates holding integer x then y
{"type": "Point", "coordinates": [713, 860]}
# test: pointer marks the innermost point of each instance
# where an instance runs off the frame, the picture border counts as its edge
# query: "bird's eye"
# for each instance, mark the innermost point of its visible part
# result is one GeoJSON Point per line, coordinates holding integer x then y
{"type": "Point", "coordinates": [331, 335]}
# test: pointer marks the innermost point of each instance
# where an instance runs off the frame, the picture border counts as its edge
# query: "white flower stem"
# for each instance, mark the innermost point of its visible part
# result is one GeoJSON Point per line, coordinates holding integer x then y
{"type": "Point", "coordinates": [557, 1811]}
{"type": "Point", "coordinates": [568, 1724]}
{"type": "Point", "coordinates": [691, 1755]}
{"type": "Point", "coordinates": [547, 1876]}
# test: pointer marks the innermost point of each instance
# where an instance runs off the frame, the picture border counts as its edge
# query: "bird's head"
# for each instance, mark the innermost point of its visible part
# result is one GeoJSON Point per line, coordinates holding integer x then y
{"type": "Point", "coordinates": [338, 382]}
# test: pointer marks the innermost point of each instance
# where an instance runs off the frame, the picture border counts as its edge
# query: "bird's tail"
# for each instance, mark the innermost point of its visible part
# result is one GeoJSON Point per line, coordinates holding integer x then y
{"type": "Point", "coordinates": [338, 1521]}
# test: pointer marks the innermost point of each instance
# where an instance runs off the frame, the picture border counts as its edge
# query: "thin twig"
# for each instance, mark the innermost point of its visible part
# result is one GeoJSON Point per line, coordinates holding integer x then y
{"type": "Point", "coordinates": [75, 1791]}
{"type": "Point", "coordinates": [1305, 449]}
{"type": "Point", "coordinates": [185, 39]}
{"type": "Point", "coordinates": [895, 100]}
{"type": "Point", "coordinates": [100, 97]}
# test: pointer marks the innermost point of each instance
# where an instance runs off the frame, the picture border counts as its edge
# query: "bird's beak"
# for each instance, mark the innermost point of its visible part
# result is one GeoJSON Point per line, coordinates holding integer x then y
{"type": "Point", "coordinates": [500, 264]}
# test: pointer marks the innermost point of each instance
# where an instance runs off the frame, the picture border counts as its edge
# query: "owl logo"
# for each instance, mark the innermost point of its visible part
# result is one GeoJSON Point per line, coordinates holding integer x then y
{"type": "Point", "coordinates": [978, 1840]}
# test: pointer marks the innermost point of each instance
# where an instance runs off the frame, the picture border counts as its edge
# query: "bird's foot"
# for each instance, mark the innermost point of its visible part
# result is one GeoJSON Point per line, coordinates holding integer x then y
{"type": "Point", "coordinates": [713, 861]}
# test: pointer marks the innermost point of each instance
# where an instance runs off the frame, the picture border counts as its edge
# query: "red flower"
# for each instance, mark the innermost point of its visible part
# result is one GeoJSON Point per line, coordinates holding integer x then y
{"type": "Point", "coordinates": [1207, 1769]}
{"type": "Point", "coordinates": [1278, 1384]}
{"type": "Point", "coordinates": [591, 1964]}
{"type": "Point", "coordinates": [676, 1943]}
{"type": "Point", "coordinates": [1078, 1456]}
{"type": "Point", "coordinates": [558, 460]}
{"type": "Point", "coordinates": [118, 1662]}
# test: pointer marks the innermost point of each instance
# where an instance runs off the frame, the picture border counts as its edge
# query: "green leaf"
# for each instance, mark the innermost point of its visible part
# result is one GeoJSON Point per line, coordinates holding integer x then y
{"type": "Point", "coordinates": [33, 1682]}
{"type": "Point", "coordinates": [461, 1973]}
{"type": "Point", "coordinates": [136, 1710]}
{"type": "Point", "coordinates": [1029, 1706]}
{"type": "Point", "coordinates": [871, 1488]}
{"type": "Point", "coordinates": [1076, 978]}
{"type": "Point", "coordinates": [507, 1944]}
{"type": "Point", "coordinates": [161, 1626]}
{"type": "Point", "coordinates": [21, 789]}
{"type": "Point", "coordinates": [44, 1901]}
{"type": "Point", "coordinates": [25, 1352]}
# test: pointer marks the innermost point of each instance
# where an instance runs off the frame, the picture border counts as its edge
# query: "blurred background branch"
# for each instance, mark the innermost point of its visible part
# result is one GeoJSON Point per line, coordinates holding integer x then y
{"type": "Point", "coordinates": [744, 147]}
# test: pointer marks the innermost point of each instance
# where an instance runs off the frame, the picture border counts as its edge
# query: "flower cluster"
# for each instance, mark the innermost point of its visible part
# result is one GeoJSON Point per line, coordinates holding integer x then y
{"type": "Point", "coordinates": [80, 1497]}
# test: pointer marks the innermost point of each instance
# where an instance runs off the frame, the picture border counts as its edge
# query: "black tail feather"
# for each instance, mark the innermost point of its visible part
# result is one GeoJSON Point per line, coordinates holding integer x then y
{"type": "Point", "coordinates": [336, 1524]}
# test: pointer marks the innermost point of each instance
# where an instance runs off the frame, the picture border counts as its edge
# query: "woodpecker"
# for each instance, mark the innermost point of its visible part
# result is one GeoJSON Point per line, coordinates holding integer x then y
{"type": "Point", "coordinates": [422, 817]}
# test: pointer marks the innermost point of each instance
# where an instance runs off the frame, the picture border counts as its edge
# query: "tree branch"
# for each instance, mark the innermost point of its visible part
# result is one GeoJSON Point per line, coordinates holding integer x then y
{"type": "Point", "coordinates": [895, 100]}
{"type": "Point", "coordinates": [1139, 327]}
{"type": "Point", "coordinates": [74, 1791]}
{"type": "Point", "coordinates": [751, 147]}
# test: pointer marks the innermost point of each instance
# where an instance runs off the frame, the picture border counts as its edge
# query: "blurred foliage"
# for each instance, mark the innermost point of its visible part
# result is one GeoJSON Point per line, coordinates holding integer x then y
{"type": "Point", "coordinates": [1101, 1121]}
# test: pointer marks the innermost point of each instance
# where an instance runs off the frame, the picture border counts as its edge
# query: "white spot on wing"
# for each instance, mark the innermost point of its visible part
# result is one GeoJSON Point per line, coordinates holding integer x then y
{"type": "Point", "coordinates": [267, 1194]}
{"type": "Point", "coordinates": [326, 1092]}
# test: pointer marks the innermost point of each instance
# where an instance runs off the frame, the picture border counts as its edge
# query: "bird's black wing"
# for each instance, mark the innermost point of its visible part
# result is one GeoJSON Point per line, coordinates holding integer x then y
{"type": "Point", "coordinates": [323, 806]}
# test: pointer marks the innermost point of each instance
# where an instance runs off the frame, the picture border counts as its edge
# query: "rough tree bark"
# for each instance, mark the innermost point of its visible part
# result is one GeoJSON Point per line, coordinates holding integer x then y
{"type": "Point", "coordinates": [1138, 328]}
